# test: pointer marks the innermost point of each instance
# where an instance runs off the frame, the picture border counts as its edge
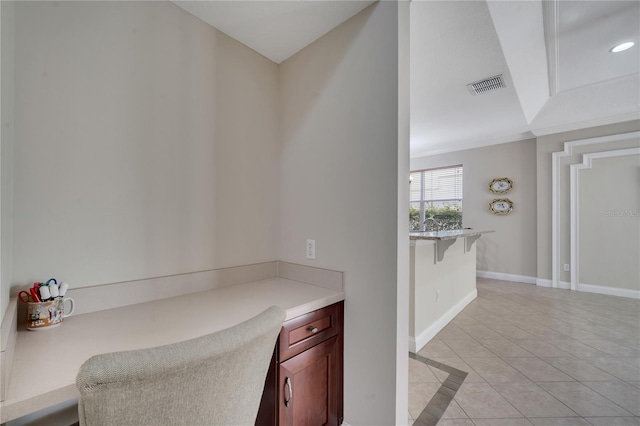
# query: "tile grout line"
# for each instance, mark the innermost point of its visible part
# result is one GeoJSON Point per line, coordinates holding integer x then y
{"type": "Point", "coordinates": [550, 341]}
{"type": "Point", "coordinates": [546, 362]}
{"type": "Point", "coordinates": [439, 403]}
{"type": "Point", "coordinates": [561, 328]}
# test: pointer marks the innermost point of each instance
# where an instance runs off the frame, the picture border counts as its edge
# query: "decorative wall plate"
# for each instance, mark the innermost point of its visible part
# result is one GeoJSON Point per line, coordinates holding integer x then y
{"type": "Point", "coordinates": [501, 185]}
{"type": "Point", "coordinates": [501, 206]}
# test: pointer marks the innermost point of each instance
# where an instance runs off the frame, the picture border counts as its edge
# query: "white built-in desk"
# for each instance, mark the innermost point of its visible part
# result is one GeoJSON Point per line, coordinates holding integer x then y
{"type": "Point", "coordinates": [45, 363]}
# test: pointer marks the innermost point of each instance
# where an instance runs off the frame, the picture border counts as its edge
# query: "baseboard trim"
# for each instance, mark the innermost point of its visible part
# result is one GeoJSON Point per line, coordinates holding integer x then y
{"type": "Point", "coordinates": [564, 285]}
{"type": "Point", "coordinates": [412, 345]}
{"type": "Point", "coordinates": [506, 277]}
{"type": "Point", "coordinates": [609, 291]}
{"type": "Point", "coordinates": [541, 282]}
{"type": "Point", "coordinates": [417, 343]}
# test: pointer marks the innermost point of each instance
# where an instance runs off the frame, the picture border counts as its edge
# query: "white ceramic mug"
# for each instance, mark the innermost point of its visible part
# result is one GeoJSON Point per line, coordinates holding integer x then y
{"type": "Point", "coordinates": [43, 315]}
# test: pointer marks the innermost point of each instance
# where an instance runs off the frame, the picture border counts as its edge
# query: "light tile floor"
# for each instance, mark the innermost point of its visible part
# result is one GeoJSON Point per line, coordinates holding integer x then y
{"type": "Point", "coordinates": [535, 356]}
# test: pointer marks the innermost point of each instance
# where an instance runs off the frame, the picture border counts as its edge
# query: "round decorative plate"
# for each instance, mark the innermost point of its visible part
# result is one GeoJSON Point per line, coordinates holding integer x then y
{"type": "Point", "coordinates": [501, 206]}
{"type": "Point", "coordinates": [501, 185]}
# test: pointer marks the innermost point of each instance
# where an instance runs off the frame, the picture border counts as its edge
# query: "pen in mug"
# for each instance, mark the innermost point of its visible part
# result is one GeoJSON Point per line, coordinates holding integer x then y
{"type": "Point", "coordinates": [45, 293]}
{"type": "Point", "coordinates": [62, 290]}
{"type": "Point", "coordinates": [53, 289]}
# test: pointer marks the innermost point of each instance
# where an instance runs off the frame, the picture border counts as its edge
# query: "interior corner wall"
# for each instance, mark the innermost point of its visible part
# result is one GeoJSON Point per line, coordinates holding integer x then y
{"type": "Point", "coordinates": [339, 186]}
{"type": "Point", "coordinates": [146, 144]}
{"type": "Point", "coordinates": [546, 145]}
{"type": "Point", "coordinates": [510, 250]}
{"type": "Point", "coordinates": [7, 9]}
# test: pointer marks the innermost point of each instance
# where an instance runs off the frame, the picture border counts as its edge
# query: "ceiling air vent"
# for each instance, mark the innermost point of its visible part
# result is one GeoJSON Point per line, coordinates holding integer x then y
{"type": "Point", "coordinates": [486, 85]}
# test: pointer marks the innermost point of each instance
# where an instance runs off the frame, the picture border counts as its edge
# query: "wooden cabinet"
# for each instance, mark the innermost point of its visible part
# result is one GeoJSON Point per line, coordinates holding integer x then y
{"type": "Point", "coordinates": [306, 372]}
{"type": "Point", "coordinates": [309, 384]}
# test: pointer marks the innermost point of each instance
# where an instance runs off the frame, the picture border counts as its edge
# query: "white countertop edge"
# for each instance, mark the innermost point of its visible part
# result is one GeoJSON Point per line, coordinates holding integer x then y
{"type": "Point", "coordinates": [312, 306]}
{"type": "Point", "coordinates": [12, 410]}
{"type": "Point", "coordinates": [446, 235]}
{"type": "Point", "coordinates": [414, 243]}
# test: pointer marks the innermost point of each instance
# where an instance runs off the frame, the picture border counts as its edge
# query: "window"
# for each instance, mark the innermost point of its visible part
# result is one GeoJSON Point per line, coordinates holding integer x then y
{"type": "Point", "coordinates": [436, 194]}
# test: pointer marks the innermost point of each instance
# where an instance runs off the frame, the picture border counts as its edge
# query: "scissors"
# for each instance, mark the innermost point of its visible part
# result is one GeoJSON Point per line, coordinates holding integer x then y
{"type": "Point", "coordinates": [31, 296]}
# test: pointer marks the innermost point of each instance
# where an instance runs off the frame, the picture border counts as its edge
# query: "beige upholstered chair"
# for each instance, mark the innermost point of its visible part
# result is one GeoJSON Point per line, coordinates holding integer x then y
{"type": "Point", "coordinates": [216, 379]}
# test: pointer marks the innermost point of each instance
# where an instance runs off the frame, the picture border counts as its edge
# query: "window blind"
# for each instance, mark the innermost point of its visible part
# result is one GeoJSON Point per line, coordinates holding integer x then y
{"type": "Point", "coordinates": [436, 193]}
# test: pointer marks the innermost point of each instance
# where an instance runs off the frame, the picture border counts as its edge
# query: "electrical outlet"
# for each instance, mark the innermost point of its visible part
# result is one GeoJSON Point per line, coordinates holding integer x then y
{"type": "Point", "coordinates": [566, 267]}
{"type": "Point", "coordinates": [311, 249]}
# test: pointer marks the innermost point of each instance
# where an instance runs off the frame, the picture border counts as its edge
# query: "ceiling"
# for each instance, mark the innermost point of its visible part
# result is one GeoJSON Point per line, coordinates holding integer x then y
{"type": "Point", "coordinates": [553, 56]}
{"type": "Point", "coordinates": [276, 29]}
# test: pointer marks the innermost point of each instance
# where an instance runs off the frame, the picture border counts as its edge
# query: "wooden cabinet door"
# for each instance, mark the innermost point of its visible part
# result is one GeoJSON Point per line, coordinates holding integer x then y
{"type": "Point", "coordinates": [310, 385]}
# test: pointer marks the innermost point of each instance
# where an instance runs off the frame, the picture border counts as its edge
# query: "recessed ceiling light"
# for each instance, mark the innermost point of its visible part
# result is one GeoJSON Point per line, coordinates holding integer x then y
{"type": "Point", "coordinates": [622, 47]}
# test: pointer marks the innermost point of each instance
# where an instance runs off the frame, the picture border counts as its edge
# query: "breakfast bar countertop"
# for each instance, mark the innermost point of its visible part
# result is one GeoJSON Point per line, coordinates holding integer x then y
{"type": "Point", "coordinates": [446, 235]}
{"type": "Point", "coordinates": [46, 362]}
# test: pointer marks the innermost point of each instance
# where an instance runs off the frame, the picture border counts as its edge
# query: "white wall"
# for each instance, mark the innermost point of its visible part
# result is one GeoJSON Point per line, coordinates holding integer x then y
{"type": "Point", "coordinates": [511, 249]}
{"type": "Point", "coordinates": [438, 290]}
{"type": "Point", "coordinates": [522, 244]}
{"type": "Point", "coordinates": [609, 223]}
{"type": "Point", "coordinates": [7, 9]}
{"type": "Point", "coordinates": [402, 344]}
{"type": "Point", "coordinates": [545, 146]}
{"type": "Point", "coordinates": [146, 144]}
{"type": "Point", "coordinates": [150, 145]}
{"type": "Point", "coordinates": [339, 186]}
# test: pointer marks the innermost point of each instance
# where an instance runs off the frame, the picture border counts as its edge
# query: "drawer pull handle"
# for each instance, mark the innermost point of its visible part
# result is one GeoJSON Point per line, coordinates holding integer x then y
{"type": "Point", "coordinates": [289, 397]}
{"type": "Point", "coordinates": [313, 329]}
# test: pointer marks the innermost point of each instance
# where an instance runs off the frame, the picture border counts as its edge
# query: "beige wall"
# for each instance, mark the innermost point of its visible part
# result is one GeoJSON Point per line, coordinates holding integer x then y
{"type": "Point", "coordinates": [402, 320]}
{"type": "Point", "coordinates": [146, 144]}
{"type": "Point", "coordinates": [6, 151]}
{"type": "Point", "coordinates": [154, 145]}
{"type": "Point", "coordinates": [511, 249]}
{"type": "Point", "coordinates": [609, 231]}
{"type": "Point", "coordinates": [339, 186]}
{"type": "Point", "coordinates": [546, 145]}
{"type": "Point", "coordinates": [525, 248]}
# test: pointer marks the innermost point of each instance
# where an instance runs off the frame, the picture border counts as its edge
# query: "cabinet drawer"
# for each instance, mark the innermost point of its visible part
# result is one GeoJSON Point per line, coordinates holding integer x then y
{"type": "Point", "coordinates": [306, 331]}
